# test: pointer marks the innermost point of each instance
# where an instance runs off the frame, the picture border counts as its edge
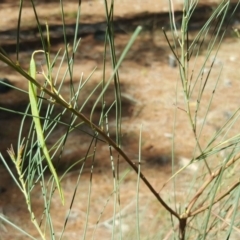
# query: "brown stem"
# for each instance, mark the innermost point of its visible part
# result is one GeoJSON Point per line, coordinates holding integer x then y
{"type": "Point", "coordinates": [63, 103]}
{"type": "Point", "coordinates": [208, 181]}
{"type": "Point", "coordinates": [182, 228]}
{"type": "Point", "coordinates": [218, 198]}
{"type": "Point", "coordinates": [121, 152]}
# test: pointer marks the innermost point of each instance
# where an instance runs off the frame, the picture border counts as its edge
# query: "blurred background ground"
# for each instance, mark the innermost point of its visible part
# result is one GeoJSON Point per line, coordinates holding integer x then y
{"type": "Point", "coordinates": [149, 100]}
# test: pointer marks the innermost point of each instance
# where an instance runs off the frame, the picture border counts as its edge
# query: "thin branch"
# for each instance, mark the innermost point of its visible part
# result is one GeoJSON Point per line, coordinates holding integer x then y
{"type": "Point", "coordinates": [208, 181]}
{"type": "Point", "coordinates": [59, 99]}
{"type": "Point", "coordinates": [218, 198]}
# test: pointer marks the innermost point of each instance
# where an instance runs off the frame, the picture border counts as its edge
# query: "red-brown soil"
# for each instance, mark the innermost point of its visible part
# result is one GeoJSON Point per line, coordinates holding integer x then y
{"type": "Point", "coordinates": [149, 104]}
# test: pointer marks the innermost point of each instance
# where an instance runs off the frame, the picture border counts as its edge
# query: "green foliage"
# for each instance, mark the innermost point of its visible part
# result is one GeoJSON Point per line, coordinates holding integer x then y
{"type": "Point", "coordinates": [219, 185]}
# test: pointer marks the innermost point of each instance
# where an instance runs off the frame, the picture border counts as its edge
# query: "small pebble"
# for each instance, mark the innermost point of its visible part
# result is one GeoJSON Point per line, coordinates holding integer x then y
{"type": "Point", "coordinates": [172, 61]}
{"type": "Point", "coordinates": [4, 88]}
